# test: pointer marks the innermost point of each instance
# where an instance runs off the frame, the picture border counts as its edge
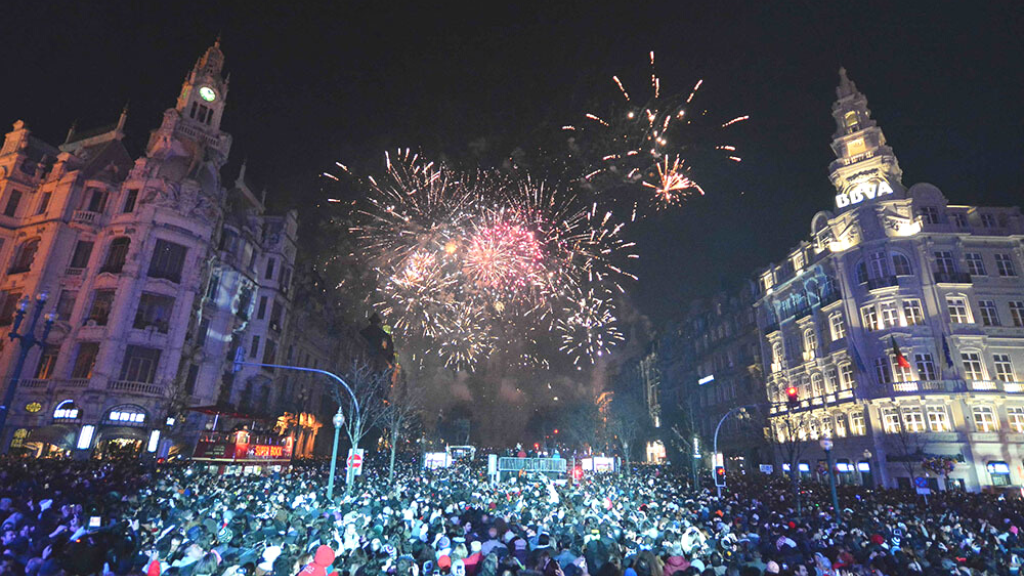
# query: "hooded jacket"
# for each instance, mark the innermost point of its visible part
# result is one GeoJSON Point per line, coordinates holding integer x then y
{"type": "Point", "coordinates": [322, 560]}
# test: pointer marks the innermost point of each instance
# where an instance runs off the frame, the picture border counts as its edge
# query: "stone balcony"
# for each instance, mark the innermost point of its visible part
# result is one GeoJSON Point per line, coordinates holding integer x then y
{"type": "Point", "coordinates": [86, 217]}
{"type": "Point", "coordinates": [132, 387]}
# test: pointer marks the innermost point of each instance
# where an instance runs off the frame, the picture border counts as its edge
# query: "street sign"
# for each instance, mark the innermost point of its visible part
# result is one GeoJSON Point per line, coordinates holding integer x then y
{"type": "Point", "coordinates": [924, 491]}
{"type": "Point", "coordinates": [767, 468]}
{"type": "Point", "coordinates": [355, 461]}
{"type": "Point", "coordinates": [920, 482]}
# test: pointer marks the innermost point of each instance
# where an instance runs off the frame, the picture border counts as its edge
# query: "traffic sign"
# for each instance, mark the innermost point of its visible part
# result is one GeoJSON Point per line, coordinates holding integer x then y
{"type": "Point", "coordinates": [355, 461]}
{"type": "Point", "coordinates": [920, 482]}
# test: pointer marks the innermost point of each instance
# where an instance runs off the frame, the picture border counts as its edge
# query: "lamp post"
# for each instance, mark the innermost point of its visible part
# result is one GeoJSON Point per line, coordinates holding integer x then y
{"type": "Point", "coordinates": [27, 340]}
{"type": "Point", "coordinates": [719, 427]}
{"type": "Point", "coordinates": [867, 456]}
{"type": "Point", "coordinates": [826, 445]}
{"type": "Point", "coordinates": [338, 421]}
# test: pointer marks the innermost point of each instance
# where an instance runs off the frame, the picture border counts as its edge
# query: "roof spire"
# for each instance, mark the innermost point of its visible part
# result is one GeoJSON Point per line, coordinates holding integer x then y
{"type": "Point", "coordinates": [124, 117]}
{"type": "Point", "coordinates": [71, 131]}
{"type": "Point", "coordinates": [846, 87]}
{"type": "Point", "coordinates": [240, 181]}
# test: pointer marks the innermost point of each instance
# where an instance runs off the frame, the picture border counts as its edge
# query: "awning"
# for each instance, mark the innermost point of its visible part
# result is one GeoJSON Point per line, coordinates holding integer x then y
{"type": "Point", "coordinates": [60, 436]}
{"type": "Point", "coordinates": [114, 432]}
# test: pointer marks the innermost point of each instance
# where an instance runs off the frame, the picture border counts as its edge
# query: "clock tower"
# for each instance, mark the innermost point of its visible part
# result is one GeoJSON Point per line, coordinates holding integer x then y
{"type": "Point", "coordinates": [204, 91]}
{"type": "Point", "coordinates": [865, 168]}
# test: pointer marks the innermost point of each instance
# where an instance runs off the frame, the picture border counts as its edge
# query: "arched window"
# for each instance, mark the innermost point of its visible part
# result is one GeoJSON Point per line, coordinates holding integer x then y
{"type": "Point", "coordinates": [901, 265]}
{"type": "Point", "coordinates": [126, 415]}
{"type": "Point", "coordinates": [862, 273]}
{"type": "Point", "coordinates": [67, 410]}
{"type": "Point", "coordinates": [810, 344]}
{"type": "Point", "coordinates": [24, 256]}
{"type": "Point", "coordinates": [776, 356]}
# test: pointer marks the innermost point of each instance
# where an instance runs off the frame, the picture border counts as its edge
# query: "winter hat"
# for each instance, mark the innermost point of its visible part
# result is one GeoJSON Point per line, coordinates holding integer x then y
{"type": "Point", "coordinates": [444, 562]}
{"type": "Point", "coordinates": [772, 567]}
{"type": "Point", "coordinates": [323, 558]}
{"type": "Point", "coordinates": [475, 546]}
{"type": "Point", "coordinates": [699, 565]}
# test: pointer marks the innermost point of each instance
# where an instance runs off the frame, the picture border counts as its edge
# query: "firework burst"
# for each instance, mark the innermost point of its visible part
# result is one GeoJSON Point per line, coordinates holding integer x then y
{"type": "Point", "coordinates": [638, 152]}
{"type": "Point", "coordinates": [473, 264]}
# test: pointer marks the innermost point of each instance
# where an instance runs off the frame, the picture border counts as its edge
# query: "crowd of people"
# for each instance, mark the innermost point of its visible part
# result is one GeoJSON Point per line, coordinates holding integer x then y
{"type": "Point", "coordinates": [126, 518]}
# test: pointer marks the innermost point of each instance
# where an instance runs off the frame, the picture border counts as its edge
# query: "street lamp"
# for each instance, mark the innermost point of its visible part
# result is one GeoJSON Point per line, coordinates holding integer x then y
{"type": "Point", "coordinates": [27, 340]}
{"type": "Point", "coordinates": [715, 447]}
{"type": "Point", "coordinates": [867, 456]}
{"type": "Point", "coordinates": [826, 445]}
{"type": "Point", "coordinates": [338, 421]}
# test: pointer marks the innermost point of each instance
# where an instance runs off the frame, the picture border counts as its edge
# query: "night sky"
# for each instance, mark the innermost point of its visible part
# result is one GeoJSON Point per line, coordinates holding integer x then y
{"type": "Point", "coordinates": [347, 80]}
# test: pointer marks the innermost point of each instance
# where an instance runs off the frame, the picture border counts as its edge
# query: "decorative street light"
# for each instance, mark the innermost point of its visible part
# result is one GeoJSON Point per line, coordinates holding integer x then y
{"type": "Point", "coordinates": [338, 421]}
{"type": "Point", "coordinates": [826, 445]}
{"type": "Point", "coordinates": [715, 447]}
{"type": "Point", "coordinates": [867, 456]}
{"type": "Point", "coordinates": [27, 341]}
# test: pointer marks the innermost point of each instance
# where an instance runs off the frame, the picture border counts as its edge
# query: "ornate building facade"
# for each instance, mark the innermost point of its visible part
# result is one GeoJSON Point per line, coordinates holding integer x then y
{"type": "Point", "coordinates": [155, 274]}
{"type": "Point", "coordinates": [897, 328]}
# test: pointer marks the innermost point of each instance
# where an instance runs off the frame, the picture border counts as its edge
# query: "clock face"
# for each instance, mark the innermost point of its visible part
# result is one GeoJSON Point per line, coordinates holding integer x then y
{"type": "Point", "coordinates": [207, 93]}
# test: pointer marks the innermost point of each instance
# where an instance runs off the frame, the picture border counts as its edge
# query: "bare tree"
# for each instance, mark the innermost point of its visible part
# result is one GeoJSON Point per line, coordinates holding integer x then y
{"type": "Point", "coordinates": [790, 443]}
{"type": "Point", "coordinates": [404, 403]}
{"type": "Point", "coordinates": [583, 423]}
{"type": "Point", "coordinates": [905, 446]}
{"type": "Point", "coordinates": [627, 423]}
{"type": "Point", "coordinates": [369, 387]}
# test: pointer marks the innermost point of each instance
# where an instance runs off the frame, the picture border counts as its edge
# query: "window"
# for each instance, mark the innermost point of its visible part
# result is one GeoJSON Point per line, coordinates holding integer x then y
{"type": "Point", "coordinates": [203, 331]}
{"type": "Point", "coordinates": [810, 343]}
{"type": "Point", "coordinates": [276, 316]}
{"type": "Point", "coordinates": [882, 370]}
{"type": "Point", "coordinates": [66, 304]}
{"type": "Point", "coordinates": [1015, 418]}
{"type": "Point", "coordinates": [286, 278]}
{"type": "Point", "coordinates": [254, 349]}
{"type": "Point", "coordinates": [168, 261]}
{"type": "Point", "coordinates": [11, 300]}
{"type": "Point", "coordinates": [846, 376]}
{"type": "Point", "coordinates": [817, 385]}
{"type": "Point", "coordinates": [1004, 368]}
{"type": "Point", "coordinates": [925, 367]}
{"type": "Point", "coordinates": [988, 220]}
{"type": "Point", "coordinates": [890, 420]}
{"type": "Point", "coordinates": [960, 219]}
{"type": "Point", "coordinates": [213, 287]}
{"type": "Point", "coordinates": [261, 311]}
{"type": "Point", "coordinates": [130, 198]}
{"type": "Point", "coordinates": [12, 203]}
{"type": "Point", "coordinates": [901, 265]}
{"type": "Point", "coordinates": [831, 381]}
{"type": "Point", "coordinates": [1004, 264]}
{"type": "Point", "coordinates": [957, 307]}
{"type": "Point", "coordinates": [190, 379]}
{"type": "Point", "coordinates": [97, 201]}
{"type": "Point", "coordinates": [102, 302]}
{"type": "Point", "coordinates": [984, 419]}
{"type": "Point", "coordinates": [930, 214]}
{"type": "Point", "coordinates": [972, 366]}
{"type": "Point", "coordinates": [975, 264]}
{"type": "Point", "coordinates": [938, 419]}
{"type": "Point", "coordinates": [126, 414]}
{"type": "Point", "coordinates": [80, 257]}
{"type": "Point", "coordinates": [912, 312]}
{"type": "Point", "coordinates": [154, 310]}
{"type": "Point", "coordinates": [901, 374]}
{"type": "Point", "coordinates": [988, 312]}
{"type": "Point", "coordinates": [66, 410]}
{"type": "Point", "coordinates": [890, 315]}
{"type": "Point", "coordinates": [270, 353]}
{"type": "Point", "coordinates": [913, 419]}
{"type": "Point", "coordinates": [841, 426]}
{"type": "Point", "coordinates": [85, 360]}
{"type": "Point", "coordinates": [47, 360]}
{"type": "Point", "coordinates": [1017, 313]}
{"type": "Point", "coordinates": [270, 269]}
{"type": "Point", "coordinates": [944, 263]}
{"type": "Point", "coordinates": [877, 266]}
{"type": "Point", "coordinates": [117, 255]}
{"type": "Point", "coordinates": [862, 273]}
{"type": "Point", "coordinates": [869, 317]}
{"type": "Point", "coordinates": [776, 356]}
{"type": "Point", "coordinates": [140, 364]}
{"type": "Point", "coordinates": [24, 256]}
{"type": "Point", "coordinates": [838, 326]}
{"type": "Point", "coordinates": [44, 203]}
{"type": "Point", "coordinates": [850, 118]}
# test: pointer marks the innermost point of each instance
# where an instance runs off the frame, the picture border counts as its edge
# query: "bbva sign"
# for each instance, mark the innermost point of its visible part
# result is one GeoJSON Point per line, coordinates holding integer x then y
{"type": "Point", "coordinates": [863, 191]}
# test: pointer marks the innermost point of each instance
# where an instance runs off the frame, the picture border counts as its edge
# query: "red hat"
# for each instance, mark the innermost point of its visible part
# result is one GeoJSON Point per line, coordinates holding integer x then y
{"type": "Point", "coordinates": [444, 562]}
{"type": "Point", "coordinates": [792, 524]}
{"type": "Point", "coordinates": [877, 539]}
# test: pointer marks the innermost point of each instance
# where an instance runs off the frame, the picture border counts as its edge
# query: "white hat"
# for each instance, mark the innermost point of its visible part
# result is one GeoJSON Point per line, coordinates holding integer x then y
{"type": "Point", "coordinates": [269, 556]}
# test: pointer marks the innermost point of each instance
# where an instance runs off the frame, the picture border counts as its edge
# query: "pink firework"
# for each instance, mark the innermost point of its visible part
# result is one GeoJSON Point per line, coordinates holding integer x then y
{"type": "Point", "coordinates": [504, 256]}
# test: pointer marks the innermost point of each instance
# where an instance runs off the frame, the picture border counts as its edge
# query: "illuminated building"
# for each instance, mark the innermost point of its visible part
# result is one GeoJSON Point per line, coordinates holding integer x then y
{"type": "Point", "coordinates": [890, 271]}
{"type": "Point", "coordinates": [155, 271]}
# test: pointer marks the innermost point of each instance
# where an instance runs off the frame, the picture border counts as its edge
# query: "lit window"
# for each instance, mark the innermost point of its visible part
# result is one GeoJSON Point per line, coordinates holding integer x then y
{"type": "Point", "coordinates": [938, 419]}
{"type": "Point", "coordinates": [984, 419]}
{"type": "Point", "coordinates": [837, 325]}
{"type": "Point", "coordinates": [912, 312]}
{"type": "Point", "coordinates": [975, 264]}
{"type": "Point", "coordinates": [846, 376]}
{"type": "Point", "coordinates": [972, 366]}
{"type": "Point", "coordinates": [890, 420]}
{"type": "Point", "coordinates": [900, 373]}
{"type": "Point", "coordinates": [810, 343]}
{"type": "Point", "coordinates": [1004, 368]}
{"type": "Point", "coordinates": [841, 426]}
{"type": "Point", "coordinates": [890, 315]}
{"type": "Point", "coordinates": [1015, 418]}
{"type": "Point", "coordinates": [855, 146]}
{"type": "Point", "coordinates": [958, 311]}
{"type": "Point", "coordinates": [869, 317]}
{"type": "Point", "coordinates": [913, 419]}
{"type": "Point", "coordinates": [816, 384]}
{"type": "Point", "coordinates": [1004, 263]}
{"type": "Point", "coordinates": [832, 381]}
